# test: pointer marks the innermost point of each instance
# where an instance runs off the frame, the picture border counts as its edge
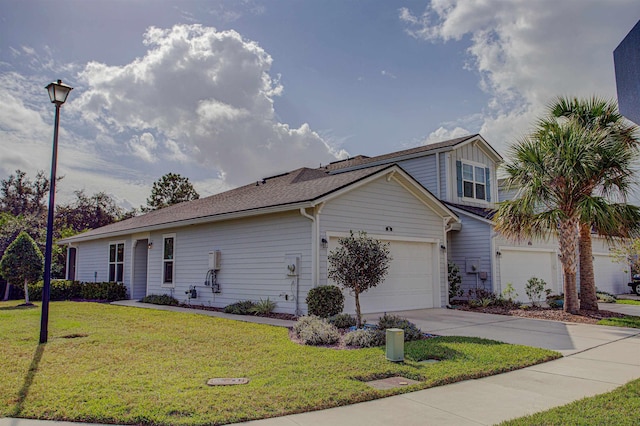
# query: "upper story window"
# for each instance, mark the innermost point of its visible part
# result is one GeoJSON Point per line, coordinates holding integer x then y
{"type": "Point", "coordinates": [168, 259]}
{"type": "Point", "coordinates": [116, 262]}
{"type": "Point", "coordinates": [473, 181]}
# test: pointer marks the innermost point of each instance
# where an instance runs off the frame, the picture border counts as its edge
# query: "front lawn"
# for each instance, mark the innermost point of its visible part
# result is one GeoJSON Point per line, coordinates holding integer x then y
{"type": "Point", "coordinates": [627, 321]}
{"type": "Point", "coordinates": [619, 407]}
{"type": "Point", "coordinates": [114, 364]}
{"type": "Point", "coordinates": [628, 302]}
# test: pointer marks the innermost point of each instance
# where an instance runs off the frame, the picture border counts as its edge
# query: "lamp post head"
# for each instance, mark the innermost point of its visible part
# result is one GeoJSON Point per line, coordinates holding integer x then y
{"type": "Point", "coordinates": [58, 92]}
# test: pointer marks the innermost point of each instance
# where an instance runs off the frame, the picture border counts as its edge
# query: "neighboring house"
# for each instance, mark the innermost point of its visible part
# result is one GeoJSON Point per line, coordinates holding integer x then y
{"type": "Point", "coordinates": [433, 203]}
{"type": "Point", "coordinates": [270, 240]}
{"type": "Point", "coordinates": [462, 173]}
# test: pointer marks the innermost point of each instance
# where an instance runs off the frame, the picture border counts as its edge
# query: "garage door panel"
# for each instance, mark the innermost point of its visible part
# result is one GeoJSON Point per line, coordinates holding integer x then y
{"type": "Point", "coordinates": [408, 285]}
{"type": "Point", "coordinates": [518, 266]}
{"type": "Point", "coordinates": [610, 275]}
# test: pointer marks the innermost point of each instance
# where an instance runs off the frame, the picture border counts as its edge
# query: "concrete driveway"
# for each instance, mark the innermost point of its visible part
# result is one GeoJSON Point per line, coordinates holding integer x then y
{"type": "Point", "coordinates": [566, 338]}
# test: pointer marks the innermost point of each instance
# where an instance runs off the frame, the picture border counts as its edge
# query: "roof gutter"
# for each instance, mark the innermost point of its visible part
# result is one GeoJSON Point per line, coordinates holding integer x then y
{"type": "Point", "coordinates": [186, 222]}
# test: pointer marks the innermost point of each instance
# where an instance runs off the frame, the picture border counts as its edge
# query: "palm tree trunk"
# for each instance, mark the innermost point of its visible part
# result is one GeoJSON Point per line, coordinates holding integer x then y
{"type": "Point", "coordinates": [588, 297]}
{"type": "Point", "coordinates": [358, 315]}
{"type": "Point", "coordinates": [568, 247]}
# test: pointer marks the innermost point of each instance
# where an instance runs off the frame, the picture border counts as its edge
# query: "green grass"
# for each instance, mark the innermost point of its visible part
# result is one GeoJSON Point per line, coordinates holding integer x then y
{"type": "Point", "coordinates": [627, 302]}
{"type": "Point", "coordinates": [143, 366]}
{"type": "Point", "coordinates": [627, 321]}
{"type": "Point", "coordinates": [619, 407]}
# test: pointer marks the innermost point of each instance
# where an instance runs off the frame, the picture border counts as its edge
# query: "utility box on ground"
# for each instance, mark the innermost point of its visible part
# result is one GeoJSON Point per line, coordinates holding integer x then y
{"type": "Point", "coordinates": [395, 344]}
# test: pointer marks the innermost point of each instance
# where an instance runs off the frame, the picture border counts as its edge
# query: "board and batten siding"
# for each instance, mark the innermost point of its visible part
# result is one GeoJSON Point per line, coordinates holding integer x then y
{"type": "Point", "coordinates": [92, 260]}
{"type": "Point", "coordinates": [376, 206]}
{"type": "Point", "coordinates": [253, 265]}
{"type": "Point", "coordinates": [470, 152]}
{"type": "Point", "coordinates": [472, 241]}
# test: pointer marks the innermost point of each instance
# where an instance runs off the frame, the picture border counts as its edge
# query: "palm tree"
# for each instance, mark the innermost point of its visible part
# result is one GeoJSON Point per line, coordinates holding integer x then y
{"type": "Point", "coordinates": [617, 150]}
{"type": "Point", "coordinates": [551, 168]}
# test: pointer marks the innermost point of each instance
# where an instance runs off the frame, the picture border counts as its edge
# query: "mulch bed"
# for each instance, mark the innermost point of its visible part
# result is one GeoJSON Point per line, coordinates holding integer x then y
{"type": "Point", "coordinates": [269, 315]}
{"type": "Point", "coordinates": [584, 316]}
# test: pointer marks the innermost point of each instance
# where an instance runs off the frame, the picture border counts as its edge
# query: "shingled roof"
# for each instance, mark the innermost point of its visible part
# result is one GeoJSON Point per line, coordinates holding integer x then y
{"type": "Point", "coordinates": [289, 189]}
{"type": "Point", "coordinates": [484, 213]}
{"type": "Point", "coordinates": [361, 161]}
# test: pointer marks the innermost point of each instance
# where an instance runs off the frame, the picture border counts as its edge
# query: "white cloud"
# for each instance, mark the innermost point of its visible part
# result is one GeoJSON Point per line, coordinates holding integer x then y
{"type": "Point", "coordinates": [442, 134]}
{"type": "Point", "coordinates": [207, 97]}
{"type": "Point", "coordinates": [528, 52]}
{"type": "Point", "coordinates": [143, 146]}
{"type": "Point", "coordinates": [388, 74]}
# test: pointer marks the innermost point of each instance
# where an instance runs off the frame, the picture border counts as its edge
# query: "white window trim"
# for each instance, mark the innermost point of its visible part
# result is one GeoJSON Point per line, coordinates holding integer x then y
{"type": "Point", "coordinates": [474, 165]}
{"type": "Point", "coordinates": [162, 261]}
{"type": "Point", "coordinates": [124, 256]}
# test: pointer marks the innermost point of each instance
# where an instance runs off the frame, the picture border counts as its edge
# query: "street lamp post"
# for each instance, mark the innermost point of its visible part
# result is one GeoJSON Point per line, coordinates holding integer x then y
{"type": "Point", "coordinates": [58, 93]}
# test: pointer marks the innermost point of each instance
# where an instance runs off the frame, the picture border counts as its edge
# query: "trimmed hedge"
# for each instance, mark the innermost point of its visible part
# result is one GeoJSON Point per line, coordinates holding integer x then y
{"type": "Point", "coordinates": [325, 301]}
{"type": "Point", "coordinates": [160, 299]}
{"type": "Point", "coordinates": [70, 290]}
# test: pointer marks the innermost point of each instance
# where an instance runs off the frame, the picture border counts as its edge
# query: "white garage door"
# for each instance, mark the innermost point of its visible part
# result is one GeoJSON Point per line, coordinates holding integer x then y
{"type": "Point", "coordinates": [409, 284]}
{"type": "Point", "coordinates": [517, 265]}
{"type": "Point", "coordinates": [610, 275]}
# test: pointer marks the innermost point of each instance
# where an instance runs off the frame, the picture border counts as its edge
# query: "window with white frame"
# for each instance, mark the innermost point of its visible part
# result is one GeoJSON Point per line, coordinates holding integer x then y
{"type": "Point", "coordinates": [168, 259]}
{"type": "Point", "coordinates": [116, 262]}
{"type": "Point", "coordinates": [474, 181]}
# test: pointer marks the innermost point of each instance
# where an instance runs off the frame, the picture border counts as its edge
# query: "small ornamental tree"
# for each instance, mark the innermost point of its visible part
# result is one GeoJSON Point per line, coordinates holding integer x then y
{"type": "Point", "coordinates": [358, 264]}
{"type": "Point", "coordinates": [22, 262]}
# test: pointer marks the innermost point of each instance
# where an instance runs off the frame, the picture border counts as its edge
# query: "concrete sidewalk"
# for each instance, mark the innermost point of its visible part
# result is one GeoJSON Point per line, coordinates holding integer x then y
{"type": "Point", "coordinates": [596, 359]}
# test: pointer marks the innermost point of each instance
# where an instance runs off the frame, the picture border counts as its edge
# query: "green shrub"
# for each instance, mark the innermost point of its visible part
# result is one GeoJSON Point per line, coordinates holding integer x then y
{"type": "Point", "coordinates": [411, 331]}
{"type": "Point", "coordinates": [455, 281]}
{"type": "Point", "coordinates": [365, 338]}
{"type": "Point", "coordinates": [342, 320]}
{"type": "Point", "coordinates": [160, 299]}
{"type": "Point", "coordinates": [70, 290]}
{"type": "Point", "coordinates": [104, 291]}
{"type": "Point", "coordinates": [243, 307]}
{"type": "Point", "coordinates": [325, 301]}
{"type": "Point", "coordinates": [313, 330]}
{"type": "Point", "coordinates": [605, 297]}
{"type": "Point", "coordinates": [263, 307]}
{"type": "Point", "coordinates": [534, 289]}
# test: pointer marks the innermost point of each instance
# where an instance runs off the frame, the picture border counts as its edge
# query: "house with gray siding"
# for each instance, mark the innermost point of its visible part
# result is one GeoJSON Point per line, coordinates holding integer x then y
{"type": "Point", "coordinates": [462, 173]}
{"type": "Point", "coordinates": [270, 239]}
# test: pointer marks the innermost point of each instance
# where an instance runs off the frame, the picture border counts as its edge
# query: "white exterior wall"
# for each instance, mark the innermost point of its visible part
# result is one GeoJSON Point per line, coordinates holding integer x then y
{"type": "Point", "coordinates": [376, 206]}
{"type": "Point", "coordinates": [92, 260]}
{"type": "Point", "coordinates": [253, 266]}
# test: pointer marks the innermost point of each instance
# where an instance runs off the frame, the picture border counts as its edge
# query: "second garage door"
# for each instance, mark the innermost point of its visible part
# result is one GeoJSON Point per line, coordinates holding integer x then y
{"type": "Point", "coordinates": [518, 265]}
{"type": "Point", "coordinates": [409, 284]}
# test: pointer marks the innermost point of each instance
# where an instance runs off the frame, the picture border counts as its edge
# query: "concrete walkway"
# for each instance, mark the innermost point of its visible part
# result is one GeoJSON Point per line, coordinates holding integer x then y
{"type": "Point", "coordinates": [596, 360]}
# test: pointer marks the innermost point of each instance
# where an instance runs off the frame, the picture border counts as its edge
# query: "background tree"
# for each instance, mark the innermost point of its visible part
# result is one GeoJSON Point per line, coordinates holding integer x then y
{"type": "Point", "coordinates": [618, 151]}
{"type": "Point", "coordinates": [22, 262]}
{"type": "Point", "coordinates": [358, 264]}
{"type": "Point", "coordinates": [170, 189]}
{"type": "Point", "coordinates": [88, 212]}
{"type": "Point", "coordinates": [21, 196]}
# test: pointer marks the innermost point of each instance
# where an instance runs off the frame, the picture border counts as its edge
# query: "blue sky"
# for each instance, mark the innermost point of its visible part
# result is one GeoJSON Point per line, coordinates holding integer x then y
{"type": "Point", "coordinates": [228, 92]}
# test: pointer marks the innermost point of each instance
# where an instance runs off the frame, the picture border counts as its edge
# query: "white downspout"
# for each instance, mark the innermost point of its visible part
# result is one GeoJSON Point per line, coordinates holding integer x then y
{"type": "Point", "coordinates": [314, 245]}
{"type": "Point", "coordinates": [438, 175]}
